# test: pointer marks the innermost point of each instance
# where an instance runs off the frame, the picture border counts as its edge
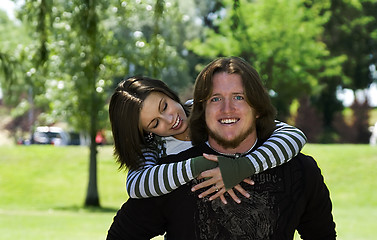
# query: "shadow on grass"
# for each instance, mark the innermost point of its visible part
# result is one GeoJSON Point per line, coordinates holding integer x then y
{"type": "Point", "coordinates": [87, 209]}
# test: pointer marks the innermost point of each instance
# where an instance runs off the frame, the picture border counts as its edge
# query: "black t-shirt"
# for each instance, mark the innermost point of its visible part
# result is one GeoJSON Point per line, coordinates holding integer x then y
{"type": "Point", "coordinates": [283, 199]}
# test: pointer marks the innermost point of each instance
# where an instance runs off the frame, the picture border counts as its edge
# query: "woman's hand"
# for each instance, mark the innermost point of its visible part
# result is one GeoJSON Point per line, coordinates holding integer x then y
{"type": "Point", "coordinates": [215, 180]}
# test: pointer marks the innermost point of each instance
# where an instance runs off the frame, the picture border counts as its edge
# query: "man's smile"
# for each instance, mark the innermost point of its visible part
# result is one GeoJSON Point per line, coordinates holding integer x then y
{"type": "Point", "coordinates": [228, 120]}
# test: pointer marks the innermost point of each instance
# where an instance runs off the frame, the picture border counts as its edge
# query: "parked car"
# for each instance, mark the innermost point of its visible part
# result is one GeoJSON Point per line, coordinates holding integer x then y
{"type": "Point", "coordinates": [74, 138]}
{"type": "Point", "coordinates": [50, 135]}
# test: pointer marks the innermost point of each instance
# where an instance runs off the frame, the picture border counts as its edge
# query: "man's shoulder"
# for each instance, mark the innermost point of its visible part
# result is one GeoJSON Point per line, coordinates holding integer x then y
{"type": "Point", "coordinates": [306, 161]}
{"type": "Point", "coordinates": [308, 165]}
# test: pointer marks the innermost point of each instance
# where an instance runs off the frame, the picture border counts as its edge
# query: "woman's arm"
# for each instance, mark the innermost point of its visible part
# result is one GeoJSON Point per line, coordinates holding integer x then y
{"type": "Point", "coordinates": [284, 144]}
{"type": "Point", "coordinates": [152, 180]}
{"type": "Point", "coordinates": [156, 180]}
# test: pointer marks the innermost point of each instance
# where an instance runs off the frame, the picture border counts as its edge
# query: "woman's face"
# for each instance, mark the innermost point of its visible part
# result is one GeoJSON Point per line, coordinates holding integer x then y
{"type": "Point", "coordinates": [163, 116]}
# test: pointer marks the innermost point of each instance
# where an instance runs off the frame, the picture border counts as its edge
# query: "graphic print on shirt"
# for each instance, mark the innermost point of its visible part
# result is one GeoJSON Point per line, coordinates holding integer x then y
{"type": "Point", "coordinates": [255, 218]}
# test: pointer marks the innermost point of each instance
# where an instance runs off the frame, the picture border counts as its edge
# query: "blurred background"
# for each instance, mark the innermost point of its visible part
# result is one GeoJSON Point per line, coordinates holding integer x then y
{"type": "Point", "coordinates": [61, 60]}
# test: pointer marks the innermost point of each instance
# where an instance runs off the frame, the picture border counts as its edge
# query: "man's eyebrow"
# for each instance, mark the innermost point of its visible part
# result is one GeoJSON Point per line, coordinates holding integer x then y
{"type": "Point", "coordinates": [233, 93]}
{"type": "Point", "coordinates": [159, 107]}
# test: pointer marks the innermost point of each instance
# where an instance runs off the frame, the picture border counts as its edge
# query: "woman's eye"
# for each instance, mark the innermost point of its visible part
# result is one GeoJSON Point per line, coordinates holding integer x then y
{"type": "Point", "coordinates": [165, 106]}
{"type": "Point", "coordinates": [239, 97]}
{"type": "Point", "coordinates": [155, 125]}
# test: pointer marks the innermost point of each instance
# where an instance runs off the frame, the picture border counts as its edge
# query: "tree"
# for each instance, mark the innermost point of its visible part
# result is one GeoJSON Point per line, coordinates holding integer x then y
{"type": "Point", "coordinates": [86, 19]}
{"type": "Point", "coordinates": [81, 48]}
{"type": "Point", "coordinates": [69, 36]}
{"type": "Point", "coordinates": [281, 39]}
{"type": "Point", "coordinates": [348, 33]}
{"type": "Point", "coordinates": [18, 71]}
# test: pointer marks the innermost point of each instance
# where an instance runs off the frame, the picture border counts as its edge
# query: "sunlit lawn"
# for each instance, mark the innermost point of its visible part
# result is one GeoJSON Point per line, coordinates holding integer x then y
{"type": "Point", "coordinates": [42, 190]}
{"type": "Point", "coordinates": [351, 174]}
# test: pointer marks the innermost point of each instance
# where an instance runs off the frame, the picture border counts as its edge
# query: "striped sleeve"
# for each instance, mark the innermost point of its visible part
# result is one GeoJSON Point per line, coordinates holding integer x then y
{"type": "Point", "coordinates": [284, 144]}
{"type": "Point", "coordinates": [153, 180]}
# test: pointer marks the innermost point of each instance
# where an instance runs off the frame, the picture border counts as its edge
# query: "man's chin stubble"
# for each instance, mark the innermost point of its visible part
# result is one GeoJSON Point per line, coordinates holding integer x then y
{"type": "Point", "coordinates": [230, 144]}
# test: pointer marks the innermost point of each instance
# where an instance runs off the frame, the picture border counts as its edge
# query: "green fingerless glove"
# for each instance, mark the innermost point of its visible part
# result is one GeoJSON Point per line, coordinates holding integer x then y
{"type": "Point", "coordinates": [200, 164]}
{"type": "Point", "coordinates": [233, 171]}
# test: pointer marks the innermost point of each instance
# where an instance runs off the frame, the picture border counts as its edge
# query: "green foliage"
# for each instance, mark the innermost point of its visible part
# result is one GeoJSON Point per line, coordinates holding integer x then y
{"type": "Point", "coordinates": [12, 54]}
{"type": "Point", "coordinates": [150, 41]}
{"type": "Point", "coordinates": [281, 39]}
{"type": "Point", "coordinates": [73, 40]}
{"type": "Point", "coordinates": [349, 33]}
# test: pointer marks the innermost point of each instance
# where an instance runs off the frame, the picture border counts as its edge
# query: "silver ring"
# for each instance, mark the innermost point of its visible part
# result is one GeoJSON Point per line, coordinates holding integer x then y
{"type": "Point", "coordinates": [216, 189]}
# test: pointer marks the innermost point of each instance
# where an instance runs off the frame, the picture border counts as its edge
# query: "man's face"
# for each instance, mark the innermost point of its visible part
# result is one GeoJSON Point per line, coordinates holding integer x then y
{"type": "Point", "coordinates": [229, 118]}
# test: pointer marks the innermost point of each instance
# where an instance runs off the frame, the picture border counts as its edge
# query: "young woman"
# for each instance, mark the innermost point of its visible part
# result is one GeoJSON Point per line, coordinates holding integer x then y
{"type": "Point", "coordinates": [149, 121]}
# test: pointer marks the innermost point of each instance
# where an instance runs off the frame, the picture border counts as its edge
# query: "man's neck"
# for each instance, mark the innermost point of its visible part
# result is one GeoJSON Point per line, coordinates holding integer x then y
{"type": "Point", "coordinates": [245, 146]}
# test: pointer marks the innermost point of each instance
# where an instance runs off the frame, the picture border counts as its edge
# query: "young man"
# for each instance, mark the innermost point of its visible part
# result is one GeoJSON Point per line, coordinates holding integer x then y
{"type": "Point", "coordinates": [233, 108]}
{"type": "Point", "coordinates": [232, 114]}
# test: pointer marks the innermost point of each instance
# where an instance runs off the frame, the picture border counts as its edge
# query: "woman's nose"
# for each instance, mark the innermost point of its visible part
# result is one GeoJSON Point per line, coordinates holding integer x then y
{"type": "Point", "coordinates": [168, 118]}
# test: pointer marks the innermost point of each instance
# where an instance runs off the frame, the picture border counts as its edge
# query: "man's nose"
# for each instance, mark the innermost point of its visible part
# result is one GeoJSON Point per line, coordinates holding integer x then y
{"type": "Point", "coordinates": [228, 105]}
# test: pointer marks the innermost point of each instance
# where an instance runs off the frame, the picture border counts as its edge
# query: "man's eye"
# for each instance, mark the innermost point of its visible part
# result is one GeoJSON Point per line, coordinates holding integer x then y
{"type": "Point", "coordinates": [215, 99]}
{"type": "Point", "coordinates": [239, 97]}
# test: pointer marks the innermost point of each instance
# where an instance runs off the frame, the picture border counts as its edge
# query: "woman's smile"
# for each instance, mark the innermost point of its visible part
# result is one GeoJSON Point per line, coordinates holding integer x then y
{"type": "Point", "coordinates": [177, 123]}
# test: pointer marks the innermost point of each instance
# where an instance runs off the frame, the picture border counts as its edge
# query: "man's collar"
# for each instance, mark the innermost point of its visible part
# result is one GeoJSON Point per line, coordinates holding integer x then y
{"type": "Point", "coordinates": [234, 155]}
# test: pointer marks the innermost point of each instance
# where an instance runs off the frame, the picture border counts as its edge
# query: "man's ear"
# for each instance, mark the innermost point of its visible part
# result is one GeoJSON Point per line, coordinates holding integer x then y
{"type": "Point", "coordinates": [257, 115]}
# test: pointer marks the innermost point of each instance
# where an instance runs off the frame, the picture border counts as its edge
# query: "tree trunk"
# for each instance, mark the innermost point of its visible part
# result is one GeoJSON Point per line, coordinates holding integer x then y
{"type": "Point", "coordinates": [92, 197]}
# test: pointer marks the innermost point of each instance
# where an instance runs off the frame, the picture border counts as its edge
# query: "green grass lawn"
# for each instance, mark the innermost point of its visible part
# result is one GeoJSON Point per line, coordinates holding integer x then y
{"type": "Point", "coordinates": [350, 172]}
{"type": "Point", "coordinates": [42, 190]}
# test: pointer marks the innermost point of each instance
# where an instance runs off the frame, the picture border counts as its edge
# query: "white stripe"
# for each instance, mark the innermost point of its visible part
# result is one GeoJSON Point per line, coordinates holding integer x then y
{"type": "Point", "coordinates": [279, 153]}
{"type": "Point", "coordinates": [188, 169]}
{"type": "Point", "coordinates": [180, 175]}
{"type": "Point", "coordinates": [150, 182]}
{"type": "Point", "coordinates": [254, 161]}
{"type": "Point", "coordinates": [141, 185]}
{"type": "Point", "coordinates": [131, 182]}
{"type": "Point", "coordinates": [285, 146]}
{"type": "Point", "coordinates": [161, 182]}
{"type": "Point", "coordinates": [130, 176]}
{"type": "Point", "coordinates": [294, 143]}
{"type": "Point", "coordinates": [132, 188]}
{"type": "Point", "coordinates": [270, 157]}
{"type": "Point", "coordinates": [297, 135]}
